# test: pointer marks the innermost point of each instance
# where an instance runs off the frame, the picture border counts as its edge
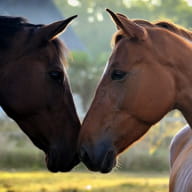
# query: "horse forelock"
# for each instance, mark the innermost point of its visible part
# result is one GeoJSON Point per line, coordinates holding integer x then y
{"type": "Point", "coordinates": [114, 37]}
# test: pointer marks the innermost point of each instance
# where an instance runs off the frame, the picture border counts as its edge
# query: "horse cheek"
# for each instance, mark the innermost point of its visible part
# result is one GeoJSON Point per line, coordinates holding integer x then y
{"type": "Point", "coordinates": [155, 97]}
{"type": "Point", "coordinates": [148, 96]}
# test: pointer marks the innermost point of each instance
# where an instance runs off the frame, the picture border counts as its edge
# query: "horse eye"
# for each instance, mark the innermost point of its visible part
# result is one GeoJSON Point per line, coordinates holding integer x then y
{"type": "Point", "coordinates": [56, 75]}
{"type": "Point", "coordinates": [118, 75]}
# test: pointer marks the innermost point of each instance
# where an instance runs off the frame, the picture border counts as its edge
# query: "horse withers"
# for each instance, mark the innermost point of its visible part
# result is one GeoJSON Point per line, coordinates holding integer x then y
{"type": "Point", "coordinates": [34, 88]}
{"type": "Point", "coordinates": [148, 74]}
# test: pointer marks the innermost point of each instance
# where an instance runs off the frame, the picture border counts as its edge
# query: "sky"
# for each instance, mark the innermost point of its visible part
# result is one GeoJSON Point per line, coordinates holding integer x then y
{"type": "Point", "coordinates": [189, 2]}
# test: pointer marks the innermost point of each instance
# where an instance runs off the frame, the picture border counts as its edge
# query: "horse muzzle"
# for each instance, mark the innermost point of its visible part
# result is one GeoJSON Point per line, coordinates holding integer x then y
{"type": "Point", "coordinates": [57, 161]}
{"type": "Point", "coordinates": [101, 157]}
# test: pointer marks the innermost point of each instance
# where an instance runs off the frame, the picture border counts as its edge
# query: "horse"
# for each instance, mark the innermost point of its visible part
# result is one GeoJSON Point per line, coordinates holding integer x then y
{"type": "Point", "coordinates": [34, 88]}
{"type": "Point", "coordinates": [148, 74]}
{"type": "Point", "coordinates": [180, 161]}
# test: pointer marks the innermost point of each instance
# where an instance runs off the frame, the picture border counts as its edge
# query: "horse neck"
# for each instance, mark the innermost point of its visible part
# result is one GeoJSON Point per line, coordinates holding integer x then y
{"type": "Point", "coordinates": [183, 78]}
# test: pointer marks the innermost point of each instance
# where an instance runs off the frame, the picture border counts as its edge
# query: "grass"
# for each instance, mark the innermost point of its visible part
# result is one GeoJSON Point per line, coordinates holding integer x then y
{"type": "Point", "coordinates": [81, 182]}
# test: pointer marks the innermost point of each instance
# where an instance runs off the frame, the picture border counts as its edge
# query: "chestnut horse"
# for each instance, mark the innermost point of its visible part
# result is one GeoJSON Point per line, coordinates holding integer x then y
{"type": "Point", "coordinates": [180, 161]}
{"type": "Point", "coordinates": [34, 89]}
{"type": "Point", "coordinates": [147, 75]}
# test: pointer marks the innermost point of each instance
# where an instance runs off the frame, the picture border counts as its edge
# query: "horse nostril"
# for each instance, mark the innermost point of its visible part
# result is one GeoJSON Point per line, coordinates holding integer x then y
{"type": "Point", "coordinates": [91, 160]}
{"type": "Point", "coordinates": [108, 162]}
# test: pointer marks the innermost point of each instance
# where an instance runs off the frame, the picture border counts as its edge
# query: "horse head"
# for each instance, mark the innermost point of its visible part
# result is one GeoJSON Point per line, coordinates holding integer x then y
{"type": "Point", "coordinates": [34, 88]}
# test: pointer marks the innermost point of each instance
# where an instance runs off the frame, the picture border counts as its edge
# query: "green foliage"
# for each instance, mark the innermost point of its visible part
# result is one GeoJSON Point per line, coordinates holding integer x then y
{"type": "Point", "coordinates": [84, 73]}
{"type": "Point", "coordinates": [138, 160]}
{"type": "Point", "coordinates": [22, 159]}
{"type": "Point", "coordinates": [16, 150]}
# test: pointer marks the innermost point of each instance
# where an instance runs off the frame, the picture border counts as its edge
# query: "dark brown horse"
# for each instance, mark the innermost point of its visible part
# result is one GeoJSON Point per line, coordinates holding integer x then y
{"type": "Point", "coordinates": [34, 88]}
{"type": "Point", "coordinates": [147, 75]}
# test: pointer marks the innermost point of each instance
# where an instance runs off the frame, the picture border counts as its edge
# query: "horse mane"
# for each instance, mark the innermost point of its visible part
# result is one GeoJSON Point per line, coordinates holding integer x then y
{"type": "Point", "coordinates": [175, 28]}
{"type": "Point", "coordinates": [9, 26]}
{"type": "Point", "coordinates": [9, 20]}
{"type": "Point", "coordinates": [167, 25]}
{"type": "Point", "coordinates": [162, 24]}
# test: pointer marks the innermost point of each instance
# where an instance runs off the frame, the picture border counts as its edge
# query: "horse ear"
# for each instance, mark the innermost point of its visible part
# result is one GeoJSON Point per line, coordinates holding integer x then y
{"type": "Point", "coordinates": [51, 31]}
{"type": "Point", "coordinates": [129, 27]}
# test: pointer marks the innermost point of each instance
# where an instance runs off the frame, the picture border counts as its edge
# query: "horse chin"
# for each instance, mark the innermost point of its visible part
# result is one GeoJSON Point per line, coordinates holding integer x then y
{"type": "Point", "coordinates": [57, 164]}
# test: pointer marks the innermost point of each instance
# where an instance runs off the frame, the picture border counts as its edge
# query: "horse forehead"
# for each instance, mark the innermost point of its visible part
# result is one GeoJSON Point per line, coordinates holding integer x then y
{"type": "Point", "coordinates": [121, 49]}
{"type": "Point", "coordinates": [125, 51]}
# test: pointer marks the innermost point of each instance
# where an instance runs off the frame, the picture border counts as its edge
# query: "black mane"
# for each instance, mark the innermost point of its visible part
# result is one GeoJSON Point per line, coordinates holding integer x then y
{"type": "Point", "coordinates": [9, 26]}
{"type": "Point", "coordinates": [9, 20]}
